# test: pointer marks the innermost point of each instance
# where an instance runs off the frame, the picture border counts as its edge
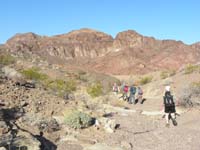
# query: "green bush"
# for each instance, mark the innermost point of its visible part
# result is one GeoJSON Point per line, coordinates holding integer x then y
{"type": "Point", "coordinates": [76, 119]}
{"type": "Point", "coordinates": [172, 72]}
{"type": "Point", "coordinates": [61, 86]}
{"type": "Point", "coordinates": [95, 90]}
{"type": "Point", "coordinates": [196, 84]}
{"type": "Point", "coordinates": [145, 80]}
{"type": "Point", "coordinates": [191, 68]}
{"type": "Point", "coordinates": [166, 74]}
{"type": "Point", "coordinates": [6, 59]}
{"type": "Point", "coordinates": [34, 74]}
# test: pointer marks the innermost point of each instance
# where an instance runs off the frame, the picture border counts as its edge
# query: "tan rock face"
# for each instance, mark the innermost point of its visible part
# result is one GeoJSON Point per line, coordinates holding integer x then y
{"type": "Point", "coordinates": [128, 53]}
{"type": "Point", "coordinates": [128, 39]}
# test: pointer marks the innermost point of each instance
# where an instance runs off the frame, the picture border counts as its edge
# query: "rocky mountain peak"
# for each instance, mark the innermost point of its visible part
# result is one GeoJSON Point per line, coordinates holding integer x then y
{"type": "Point", "coordinates": [129, 38]}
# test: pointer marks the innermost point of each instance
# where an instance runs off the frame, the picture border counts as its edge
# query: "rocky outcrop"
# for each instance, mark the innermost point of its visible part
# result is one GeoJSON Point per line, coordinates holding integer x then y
{"type": "Point", "coordinates": [80, 43]}
{"type": "Point", "coordinates": [196, 45]}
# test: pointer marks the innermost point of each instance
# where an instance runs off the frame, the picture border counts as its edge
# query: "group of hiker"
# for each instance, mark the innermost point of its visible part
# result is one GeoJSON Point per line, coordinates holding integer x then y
{"type": "Point", "coordinates": [129, 93]}
{"type": "Point", "coordinates": [133, 94]}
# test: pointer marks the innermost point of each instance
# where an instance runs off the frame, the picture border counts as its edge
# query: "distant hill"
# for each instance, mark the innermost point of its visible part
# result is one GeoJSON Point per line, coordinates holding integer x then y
{"type": "Point", "coordinates": [127, 53]}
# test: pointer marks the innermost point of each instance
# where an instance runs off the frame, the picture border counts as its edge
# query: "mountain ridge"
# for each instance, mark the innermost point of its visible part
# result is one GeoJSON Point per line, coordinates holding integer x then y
{"type": "Point", "coordinates": [133, 52]}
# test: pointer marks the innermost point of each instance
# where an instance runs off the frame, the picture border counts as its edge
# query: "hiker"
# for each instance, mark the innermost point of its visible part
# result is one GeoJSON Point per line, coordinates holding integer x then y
{"type": "Point", "coordinates": [139, 95]}
{"type": "Point", "coordinates": [169, 106]}
{"type": "Point", "coordinates": [132, 92]}
{"type": "Point", "coordinates": [125, 92]}
{"type": "Point", "coordinates": [115, 88]}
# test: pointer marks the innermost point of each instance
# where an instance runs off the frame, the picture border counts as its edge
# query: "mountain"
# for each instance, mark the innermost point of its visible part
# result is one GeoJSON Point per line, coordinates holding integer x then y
{"type": "Point", "coordinates": [127, 53]}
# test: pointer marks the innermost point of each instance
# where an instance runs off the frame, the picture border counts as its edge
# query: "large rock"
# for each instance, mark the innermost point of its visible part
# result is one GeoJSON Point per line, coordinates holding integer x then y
{"type": "Point", "coordinates": [109, 125]}
{"type": "Point", "coordinates": [23, 141]}
{"type": "Point", "coordinates": [49, 125]}
{"type": "Point", "coordinates": [11, 73]}
{"type": "Point", "coordinates": [3, 127]}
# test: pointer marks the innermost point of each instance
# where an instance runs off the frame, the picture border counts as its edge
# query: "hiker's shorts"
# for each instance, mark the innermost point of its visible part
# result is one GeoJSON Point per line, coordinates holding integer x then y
{"type": "Point", "coordinates": [170, 109]}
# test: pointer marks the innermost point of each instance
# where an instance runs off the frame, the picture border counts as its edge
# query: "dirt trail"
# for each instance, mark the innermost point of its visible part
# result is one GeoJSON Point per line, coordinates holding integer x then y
{"type": "Point", "coordinates": [149, 132]}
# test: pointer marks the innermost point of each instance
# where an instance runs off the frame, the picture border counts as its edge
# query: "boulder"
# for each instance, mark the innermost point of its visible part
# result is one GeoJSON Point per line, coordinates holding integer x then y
{"type": "Point", "coordinates": [109, 125]}
{"type": "Point", "coordinates": [68, 97]}
{"type": "Point", "coordinates": [3, 128]}
{"type": "Point", "coordinates": [11, 73]}
{"type": "Point", "coordinates": [23, 141]}
{"type": "Point", "coordinates": [49, 126]}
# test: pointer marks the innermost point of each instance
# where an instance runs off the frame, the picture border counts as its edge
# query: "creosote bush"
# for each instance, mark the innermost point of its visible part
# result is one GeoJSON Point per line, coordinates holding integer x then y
{"type": "Point", "coordinates": [191, 68]}
{"type": "Point", "coordinates": [6, 59]}
{"type": "Point", "coordinates": [145, 80]}
{"type": "Point", "coordinates": [167, 73]}
{"type": "Point", "coordinates": [34, 74]}
{"type": "Point", "coordinates": [77, 120]}
{"type": "Point", "coordinates": [61, 86]}
{"type": "Point", "coordinates": [58, 86]}
{"type": "Point", "coordinates": [95, 90]}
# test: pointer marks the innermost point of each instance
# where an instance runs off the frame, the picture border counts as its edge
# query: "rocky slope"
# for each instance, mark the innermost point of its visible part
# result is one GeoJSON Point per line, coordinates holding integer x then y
{"type": "Point", "coordinates": [33, 117]}
{"type": "Point", "coordinates": [128, 53]}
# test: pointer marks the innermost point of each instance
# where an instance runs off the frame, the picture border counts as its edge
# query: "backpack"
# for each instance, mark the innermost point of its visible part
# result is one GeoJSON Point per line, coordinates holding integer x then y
{"type": "Point", "coordinates": [133, 90]}
{"type": "Point", "coordinates": [168, 100]}
{"type": "Point", "coordinates": [115, 88]}
{"type": "Point", "coordinates": [125, 88]}
{"type": "Point", "coordinates": [140, 92]}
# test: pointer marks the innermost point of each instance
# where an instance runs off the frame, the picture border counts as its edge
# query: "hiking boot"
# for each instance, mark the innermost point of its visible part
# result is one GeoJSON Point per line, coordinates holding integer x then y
{"type": "Point", "coordinates": [167, 125]}
{"type": "Point", "coordinates": [174, 122]}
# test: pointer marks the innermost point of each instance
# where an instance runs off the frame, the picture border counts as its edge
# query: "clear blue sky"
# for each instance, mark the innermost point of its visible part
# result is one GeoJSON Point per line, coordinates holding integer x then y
{"type": "Point", "coordinates": [162, 19]}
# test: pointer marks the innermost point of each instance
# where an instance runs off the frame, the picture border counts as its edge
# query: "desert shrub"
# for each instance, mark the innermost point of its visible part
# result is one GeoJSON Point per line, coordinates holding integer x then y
{"type": "Point", "coordinates": [95, 90]}
{"type": "Point", "coordinates": [164, 74]}
{"type": "Point", "coordinates": [106, 81]}
{"type": "Point", "coordinates": [80, 72]}
{"type": "Point", "coordinates": [145, 80]}
{"type": "Point", "coordinates": [189, 95]}
{"type": "Point", "coordinates": [76, 119]}
{"type": "Point", "coordinates": [172, 72]}
{"type": "Point", "coordinates": [196, 84]}
{"type": "Point", "coordinates": [34, 74]}
{"type": "Point", "coordinates": [6, 59]}
{"type": "Point", "coordinates": [61, 86]}
{"type": "Point", "coordinates": [167, 73]}
{"type": "Point", "coordinates": [191, 68]}
{"type": "Point", "coordinates": [82, 76]}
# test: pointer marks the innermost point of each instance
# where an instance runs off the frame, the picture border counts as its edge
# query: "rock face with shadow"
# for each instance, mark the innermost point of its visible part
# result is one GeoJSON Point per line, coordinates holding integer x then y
{"type": "Point", "coordinates": [11, 136]}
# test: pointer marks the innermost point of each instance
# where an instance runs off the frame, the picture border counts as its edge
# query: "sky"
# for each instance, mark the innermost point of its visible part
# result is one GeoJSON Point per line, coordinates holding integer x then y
{"type": "Point", "coordinates": [162, 19]}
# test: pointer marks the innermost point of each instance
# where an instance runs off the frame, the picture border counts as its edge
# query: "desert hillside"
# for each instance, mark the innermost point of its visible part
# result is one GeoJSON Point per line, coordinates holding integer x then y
{"type": "Point", "coordinates": [56, 92]}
